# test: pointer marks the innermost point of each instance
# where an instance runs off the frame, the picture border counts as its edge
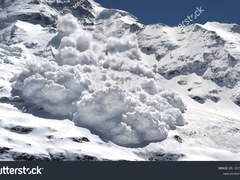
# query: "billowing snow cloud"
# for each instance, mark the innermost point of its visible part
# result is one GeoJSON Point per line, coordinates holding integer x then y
{"type": "Point", "coordinates": [102, 86]}
{"type": "Point", "coordinates": [68, 24]}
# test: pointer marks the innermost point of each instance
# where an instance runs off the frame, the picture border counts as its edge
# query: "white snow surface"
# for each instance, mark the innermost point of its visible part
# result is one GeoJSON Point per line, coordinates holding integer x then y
{"type": "Point", "coordinates": [114, 89]}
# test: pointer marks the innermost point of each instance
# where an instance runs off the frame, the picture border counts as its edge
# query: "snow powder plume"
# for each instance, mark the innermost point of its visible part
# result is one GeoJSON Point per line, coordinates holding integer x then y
{"type": "Point", "coordinates": [108, 91]}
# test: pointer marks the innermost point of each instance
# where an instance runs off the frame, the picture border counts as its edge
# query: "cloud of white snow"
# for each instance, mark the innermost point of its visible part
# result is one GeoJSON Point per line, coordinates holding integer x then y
{"type": "Point", "coordinates": [102, 86]}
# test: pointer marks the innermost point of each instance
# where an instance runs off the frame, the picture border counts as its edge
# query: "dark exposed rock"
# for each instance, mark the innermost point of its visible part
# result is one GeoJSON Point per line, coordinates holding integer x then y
{"type": "Point", "coordinates": [199, 99]}
{"type": "Point", "coordinates": [237, 101]}
{"type": "Point", "coordinates": [79, 140]}
{"type": "Point", "coordinates": [178, 138]}
{"type": "Point", "coordinates": [165, 157]}
{"type": "Point", "coordinates": [213, 91]}
{"type": "Point", "coordinates": [50, 137]}
{"type": "Point", "coordinates": [62, 156]}
{"type": "Point", "coordinates": [173, 73]}
{"type": "Point", "coordinates": [135, 28]}
{"type": "Point", "coordinates": [72, 157]}
{"type": "Point", "coordinates": [182, 82]}
{"type": "Point", "coordinates": [58, 157]}
{"type": "Point", "coordinates": [88, 158]}
{"type": "Point", "coordinates": [4, 150]}
{"type": "Point", "coordinates": [30, 157]}
{"type": "Point", "coordinates": [21, 129]}
{"type": "Point", "coordinates": [215, 99]}
{"type": "Point", "coordinates": [80, 9]}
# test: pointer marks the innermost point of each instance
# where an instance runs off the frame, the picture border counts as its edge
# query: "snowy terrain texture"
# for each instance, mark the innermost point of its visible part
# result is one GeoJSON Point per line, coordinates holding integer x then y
{"type": "Point", "coordinates": [82, 82]}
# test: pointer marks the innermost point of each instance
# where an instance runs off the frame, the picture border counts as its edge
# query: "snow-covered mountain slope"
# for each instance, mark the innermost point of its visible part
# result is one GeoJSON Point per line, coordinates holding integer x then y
{"type": "Point", "coordinates": [210, 51]}
{"type": "Point", "coordinates": [82, 82]}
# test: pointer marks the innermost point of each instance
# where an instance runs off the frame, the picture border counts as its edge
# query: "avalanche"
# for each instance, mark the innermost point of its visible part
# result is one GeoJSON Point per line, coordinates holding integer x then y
{"type": "Point", "coordinates": [89, 83]}
{"type": "Point", "coordinates": [102, 91]}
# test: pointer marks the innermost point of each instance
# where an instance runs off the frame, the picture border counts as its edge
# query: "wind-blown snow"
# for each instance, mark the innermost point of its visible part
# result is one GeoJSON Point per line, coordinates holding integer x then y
{"type": "Point", "coordinates": [103, 92]}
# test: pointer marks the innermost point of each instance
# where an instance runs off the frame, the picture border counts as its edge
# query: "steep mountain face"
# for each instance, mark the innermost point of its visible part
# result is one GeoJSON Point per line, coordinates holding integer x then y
{"type": "Point", "coordinates": [144, 88]}
{"type": "Point", "coordinates": [210, 51]}
{"type": "Point", "coordinates": [46, 12]}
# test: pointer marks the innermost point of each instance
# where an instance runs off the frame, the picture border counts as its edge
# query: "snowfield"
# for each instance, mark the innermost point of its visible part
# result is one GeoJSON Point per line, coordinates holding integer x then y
{"type": "Point", "coordinates": [91, 83]}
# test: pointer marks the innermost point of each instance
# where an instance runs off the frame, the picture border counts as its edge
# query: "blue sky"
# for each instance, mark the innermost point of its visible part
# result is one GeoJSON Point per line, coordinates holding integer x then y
{"type": "Point", "coordinates": [173, 12]}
